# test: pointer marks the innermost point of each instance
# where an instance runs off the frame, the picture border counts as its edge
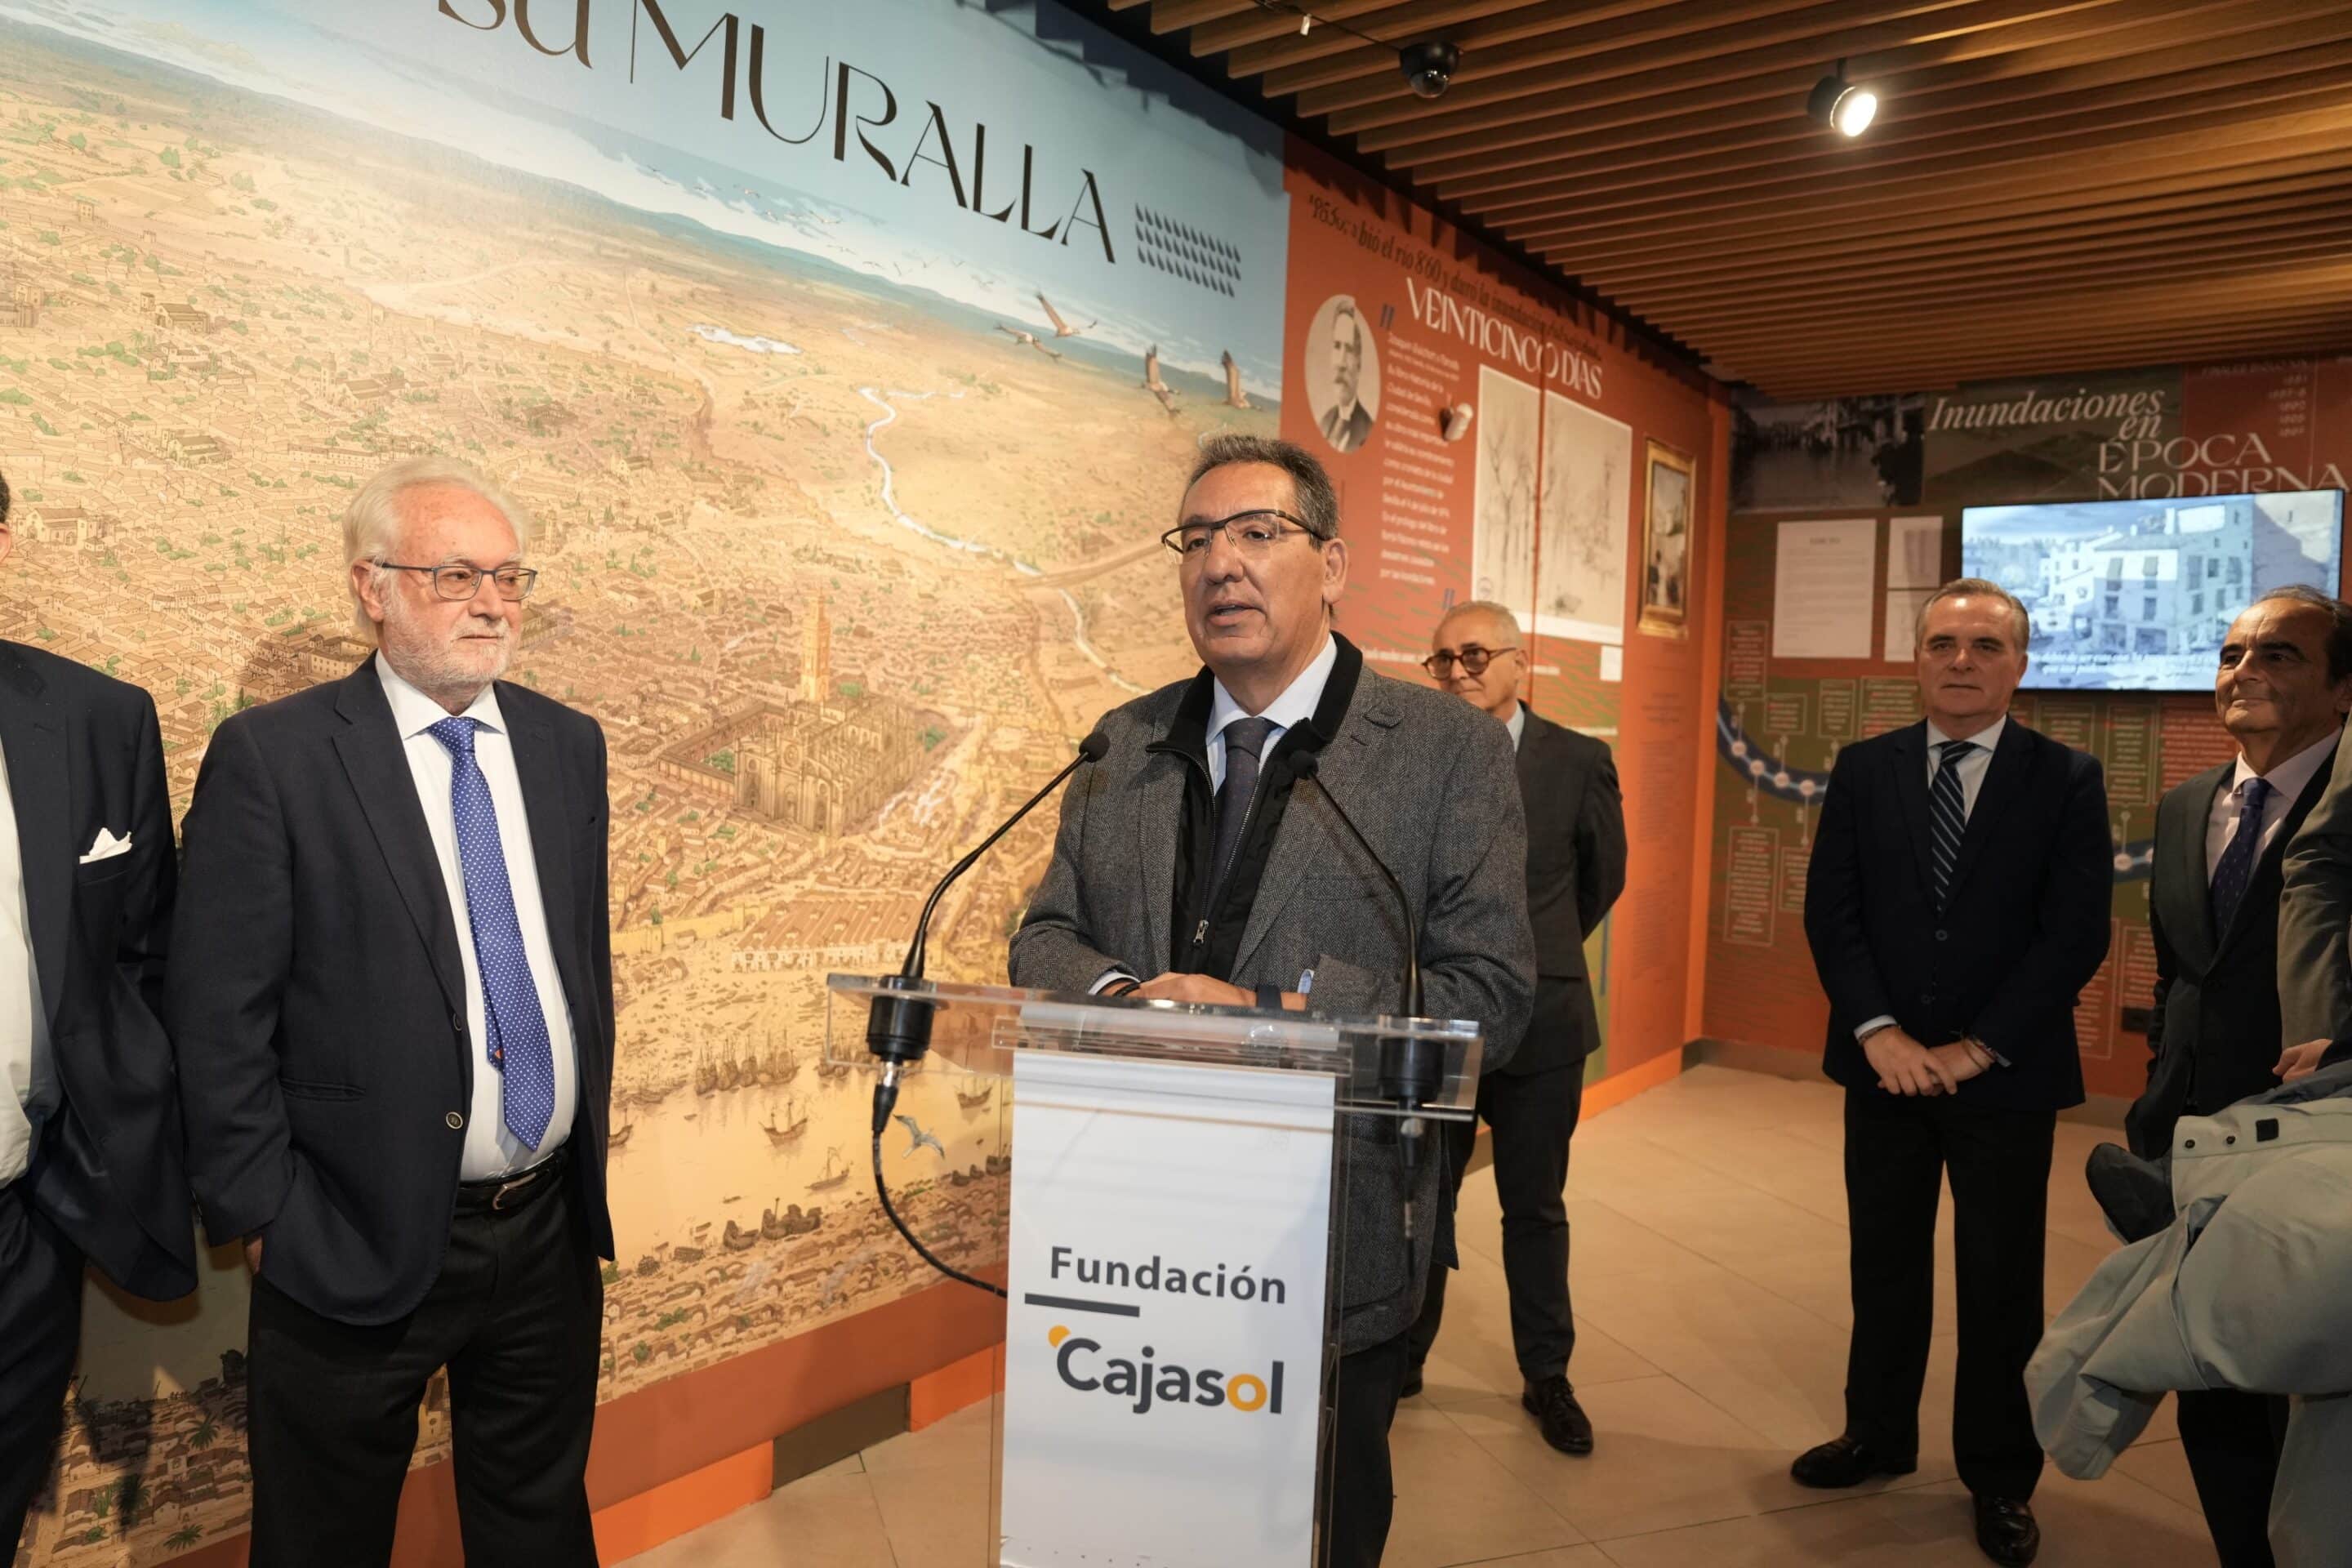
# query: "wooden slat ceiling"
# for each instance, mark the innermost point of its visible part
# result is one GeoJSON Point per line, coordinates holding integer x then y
{"type": "Point", "coordinates": [2053, 185]}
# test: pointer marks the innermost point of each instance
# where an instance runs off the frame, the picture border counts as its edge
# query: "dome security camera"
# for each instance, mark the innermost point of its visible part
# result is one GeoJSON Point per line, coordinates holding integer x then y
{"type": "Point", "coordinates": [1429, 67]}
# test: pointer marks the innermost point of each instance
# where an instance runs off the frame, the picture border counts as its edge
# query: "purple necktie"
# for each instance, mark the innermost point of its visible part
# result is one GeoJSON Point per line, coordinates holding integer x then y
{"type": "Point", "coordinates": [2237, 865]}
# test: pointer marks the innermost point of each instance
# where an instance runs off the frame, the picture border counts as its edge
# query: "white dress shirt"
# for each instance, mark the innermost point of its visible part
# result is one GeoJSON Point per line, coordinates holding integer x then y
{"type": "Point", "coordinates": [1297, 701]}
{"type": "Point", "coordinates": [490, 1148]}
{"type": "Point", "coordinates": [1517, 723]}
{"type": "Point", "coordinates": [2286, 780]}
{"type": "Point", "coordinates": [24, 1020]}
{"type": "Point", "coordinates": [1972, 765]}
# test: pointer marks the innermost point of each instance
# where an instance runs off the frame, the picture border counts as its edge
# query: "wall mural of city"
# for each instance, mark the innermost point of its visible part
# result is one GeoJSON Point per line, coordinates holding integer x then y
{"type": "Point", "coordinates": [851, 365]}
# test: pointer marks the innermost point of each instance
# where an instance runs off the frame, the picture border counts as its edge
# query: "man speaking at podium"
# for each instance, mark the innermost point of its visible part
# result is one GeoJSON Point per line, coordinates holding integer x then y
{"type": "Point", "coordinates": [1192, 865]}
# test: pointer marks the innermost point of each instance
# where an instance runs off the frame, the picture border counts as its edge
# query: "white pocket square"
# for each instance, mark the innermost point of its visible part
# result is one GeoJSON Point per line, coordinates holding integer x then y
{"type": "Point", "coordinates": [106, 847]}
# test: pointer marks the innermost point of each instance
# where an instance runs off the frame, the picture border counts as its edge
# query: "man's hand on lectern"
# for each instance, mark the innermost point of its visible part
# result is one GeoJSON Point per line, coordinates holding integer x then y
{"type": "Point", "coordinates": [1195, 988]}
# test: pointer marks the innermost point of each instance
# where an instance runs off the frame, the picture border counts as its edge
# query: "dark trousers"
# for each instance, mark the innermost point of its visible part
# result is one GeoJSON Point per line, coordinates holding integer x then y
{"type": "Point", "coordinates": [40, 1328]}
{"type": "Point", "coordinates": [517, 1316]}
{"type": "Point", "coordinates": [1358, 1481]}
{"type": "Point", "coordinates": [1897, 1151]}
{"type": "Point", "coordinates": [1532, 1118]}
{"type": "Point", "coordinates": [2231, 1441]}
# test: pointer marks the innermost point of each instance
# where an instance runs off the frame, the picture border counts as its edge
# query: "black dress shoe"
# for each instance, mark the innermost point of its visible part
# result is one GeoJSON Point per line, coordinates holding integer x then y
{"type": "Point", "coordinates": [1845, 1461]}
{"type": "Point", "coordinates": [2006, 1532]}
{"type": "Point", "coordinates": [1563, 1420]}
{"type": "Point", "coordinates": [1412, 1388]}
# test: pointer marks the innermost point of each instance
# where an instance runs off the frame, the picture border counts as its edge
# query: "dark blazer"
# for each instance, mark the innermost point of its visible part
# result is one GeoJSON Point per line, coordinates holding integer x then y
{"type": "Point", "coordinates": [2212, 1035]}
{"type": "Point", "coordinates": [315, 990]}
{"type": "Point", "coordinates": [1353, 433]}
{"type": "Point", "coordinates": [84, 752]}
{"type": "Point", "coordinates": [1426, 777]}
{"type": "Point", "coordinates": [2026, 927]}
{"type": "Point", "coordinates": [1576, 868]}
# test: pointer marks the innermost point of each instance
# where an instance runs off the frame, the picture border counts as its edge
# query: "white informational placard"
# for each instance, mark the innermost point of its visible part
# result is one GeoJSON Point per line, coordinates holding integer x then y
{"type": "Point", "coordinates": [1915, 553]}
{"type": "Point", "coordinates": [1903, 607]}
{"type": "Point", "coordinates": [1823, 582]}
{"type": "Point", "coordinates": [1164, 1337]}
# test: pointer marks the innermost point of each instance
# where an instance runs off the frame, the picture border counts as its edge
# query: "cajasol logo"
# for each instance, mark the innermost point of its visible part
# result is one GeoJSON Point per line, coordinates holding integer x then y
{"type": "Point", "coordinates": [1083, 1365]}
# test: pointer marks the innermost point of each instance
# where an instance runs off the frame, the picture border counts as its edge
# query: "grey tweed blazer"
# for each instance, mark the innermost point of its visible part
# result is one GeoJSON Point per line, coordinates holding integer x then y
{"type": "Point", "coordinates": [1431, 782]}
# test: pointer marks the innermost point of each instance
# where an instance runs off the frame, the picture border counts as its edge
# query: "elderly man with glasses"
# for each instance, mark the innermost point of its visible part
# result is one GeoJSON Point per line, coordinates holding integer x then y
{"type": "Point", "coordinates": [1189, 865]}
{"type": "Point", "coordinates": [391, 994]}
{"type": "Point", "coordinates": [1576, 868]}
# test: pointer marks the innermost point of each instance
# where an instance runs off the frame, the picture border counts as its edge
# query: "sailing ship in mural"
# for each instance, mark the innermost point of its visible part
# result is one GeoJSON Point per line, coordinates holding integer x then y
{"type": "Point", "coordinates": [836, 1172]}
{"type": "Point", "coordinates": [796, 1122]}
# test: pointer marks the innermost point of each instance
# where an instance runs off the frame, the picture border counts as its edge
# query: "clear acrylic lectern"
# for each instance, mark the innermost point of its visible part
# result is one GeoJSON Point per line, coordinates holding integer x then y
{"type": "Point", "coordinates": [1169, 1194]}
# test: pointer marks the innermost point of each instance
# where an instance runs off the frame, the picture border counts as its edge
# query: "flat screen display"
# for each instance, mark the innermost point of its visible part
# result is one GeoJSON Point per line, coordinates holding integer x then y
{"type": "Point", "coordinates": [2136, 595]}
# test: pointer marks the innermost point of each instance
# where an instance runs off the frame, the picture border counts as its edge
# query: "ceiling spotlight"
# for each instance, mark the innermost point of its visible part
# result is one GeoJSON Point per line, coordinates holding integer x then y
{"type": "Point", "coordinates": [1839, 104]}
{"type": "Point", "coordinates": [1429, 67]}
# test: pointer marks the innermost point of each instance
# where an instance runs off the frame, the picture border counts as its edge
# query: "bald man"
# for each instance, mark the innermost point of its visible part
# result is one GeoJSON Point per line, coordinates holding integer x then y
{"type": "Point", "coordinates": [1576, 868]}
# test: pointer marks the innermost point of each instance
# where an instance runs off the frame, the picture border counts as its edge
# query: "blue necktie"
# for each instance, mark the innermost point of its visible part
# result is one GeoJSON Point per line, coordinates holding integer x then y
{"type": "Point", "coordinates": [518, 1043]}
{"type": "Point", "coordinates": [1947, 815]}
{"type": "Point", "coordinates": [2237, 865]}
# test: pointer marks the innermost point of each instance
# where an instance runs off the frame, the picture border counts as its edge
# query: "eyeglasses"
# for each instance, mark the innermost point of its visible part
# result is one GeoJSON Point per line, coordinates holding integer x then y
{"type": "Point", "coordinates": [465, 581]}
{"type": "Point", "coordinates": [1472, 660]}
{"type": "Point", "coordinates": [1252, 532]}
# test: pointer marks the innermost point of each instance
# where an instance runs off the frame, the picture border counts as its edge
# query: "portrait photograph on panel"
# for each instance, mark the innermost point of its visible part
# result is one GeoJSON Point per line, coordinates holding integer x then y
{"type": "Point", "coordinates": [1342, 367]}
{"type": "Point", "coordinates": [1669, 495]}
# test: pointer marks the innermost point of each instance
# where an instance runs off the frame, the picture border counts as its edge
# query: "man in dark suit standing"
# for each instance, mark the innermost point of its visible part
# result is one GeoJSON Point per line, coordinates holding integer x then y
{"type": "Point", "coordinates": [89, 1120]}
{"type": "Point", "coordinates": [2282, 689]}
{"type": "Point", "coordinates": [1958, 900]}
{"type": "Point", "coordinates": [391, 996]}
{"type": "Point", "coordinates": [1576, 868]}
{"type": "Point", "coordinates": [1193, 864]}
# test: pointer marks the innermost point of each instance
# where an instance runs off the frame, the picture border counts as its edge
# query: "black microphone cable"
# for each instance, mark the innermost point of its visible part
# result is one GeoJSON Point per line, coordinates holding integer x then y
{"type": "Point", "coordinates": [898, 1030]}
{"type": "Point", "coordinates": [1411, 1070]}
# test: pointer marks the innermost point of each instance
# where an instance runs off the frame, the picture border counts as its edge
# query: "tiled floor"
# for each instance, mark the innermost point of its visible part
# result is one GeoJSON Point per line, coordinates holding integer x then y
{"type": "Point", "coordinates": [1708, 1277]}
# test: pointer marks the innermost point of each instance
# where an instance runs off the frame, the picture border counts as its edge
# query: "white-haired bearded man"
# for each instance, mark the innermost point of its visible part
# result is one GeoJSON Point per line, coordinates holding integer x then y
{"type": "Point", "coordinates": [392, 1006]}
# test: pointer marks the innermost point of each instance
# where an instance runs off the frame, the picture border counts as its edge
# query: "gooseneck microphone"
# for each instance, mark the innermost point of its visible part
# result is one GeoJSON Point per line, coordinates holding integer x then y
{"type": "Point", "coordinates": [1411, 1070]}
{"type": "Point", "coordinates": [899, 1028]}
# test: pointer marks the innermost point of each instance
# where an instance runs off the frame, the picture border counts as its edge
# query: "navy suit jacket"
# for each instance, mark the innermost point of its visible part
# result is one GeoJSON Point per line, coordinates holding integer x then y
{"type": "Point", "coordinates": [84, 753]}
{"type": "Point", "coordinates": [2213, 1033]}
{"type": "Point", "coordinates": [317, 993]}
{"type": "Point", "coordinates": [2024, 927]}
{"type": "Point", "coordinates": [1576, 868]}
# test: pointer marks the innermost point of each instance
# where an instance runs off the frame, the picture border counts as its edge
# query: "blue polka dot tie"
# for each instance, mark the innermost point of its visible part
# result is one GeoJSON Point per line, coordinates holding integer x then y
{"type": "Point", "coordinates": [2237, 865]}
{"type": "Point", "coordinates": [517, 1044]}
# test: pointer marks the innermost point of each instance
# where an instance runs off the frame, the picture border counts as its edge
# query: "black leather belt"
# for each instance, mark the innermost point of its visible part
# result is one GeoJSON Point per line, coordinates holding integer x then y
{"type": "Point", "coordinates": [504, 1195]}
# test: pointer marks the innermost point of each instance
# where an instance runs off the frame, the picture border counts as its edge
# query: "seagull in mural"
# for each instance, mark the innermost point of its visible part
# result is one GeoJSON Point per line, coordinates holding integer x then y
{"type": "Point", "coordinates": [921, 1139]}
{"type": "Point", "coordinates": [1154, 386]}
{"type": "Point", "coordinates": [1030, 338]}
{"type": "Point", "coordinates": [1234, 396]}
{"type": "Point", "coordinates": [1062, 329]}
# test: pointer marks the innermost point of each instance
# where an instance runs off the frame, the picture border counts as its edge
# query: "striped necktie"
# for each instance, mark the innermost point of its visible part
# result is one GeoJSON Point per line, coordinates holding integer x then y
{"type": "Point", "coordinates": [1947, 814]}
{"type": "Point", "coordinates": [1244, 739]}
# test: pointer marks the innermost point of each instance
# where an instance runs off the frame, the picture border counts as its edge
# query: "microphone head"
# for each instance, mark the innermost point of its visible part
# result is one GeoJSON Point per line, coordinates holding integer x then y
{"type": "Point", "coordinates": [1306, 765]}
{"type": "Point", "coordinates": [1094, 747]}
